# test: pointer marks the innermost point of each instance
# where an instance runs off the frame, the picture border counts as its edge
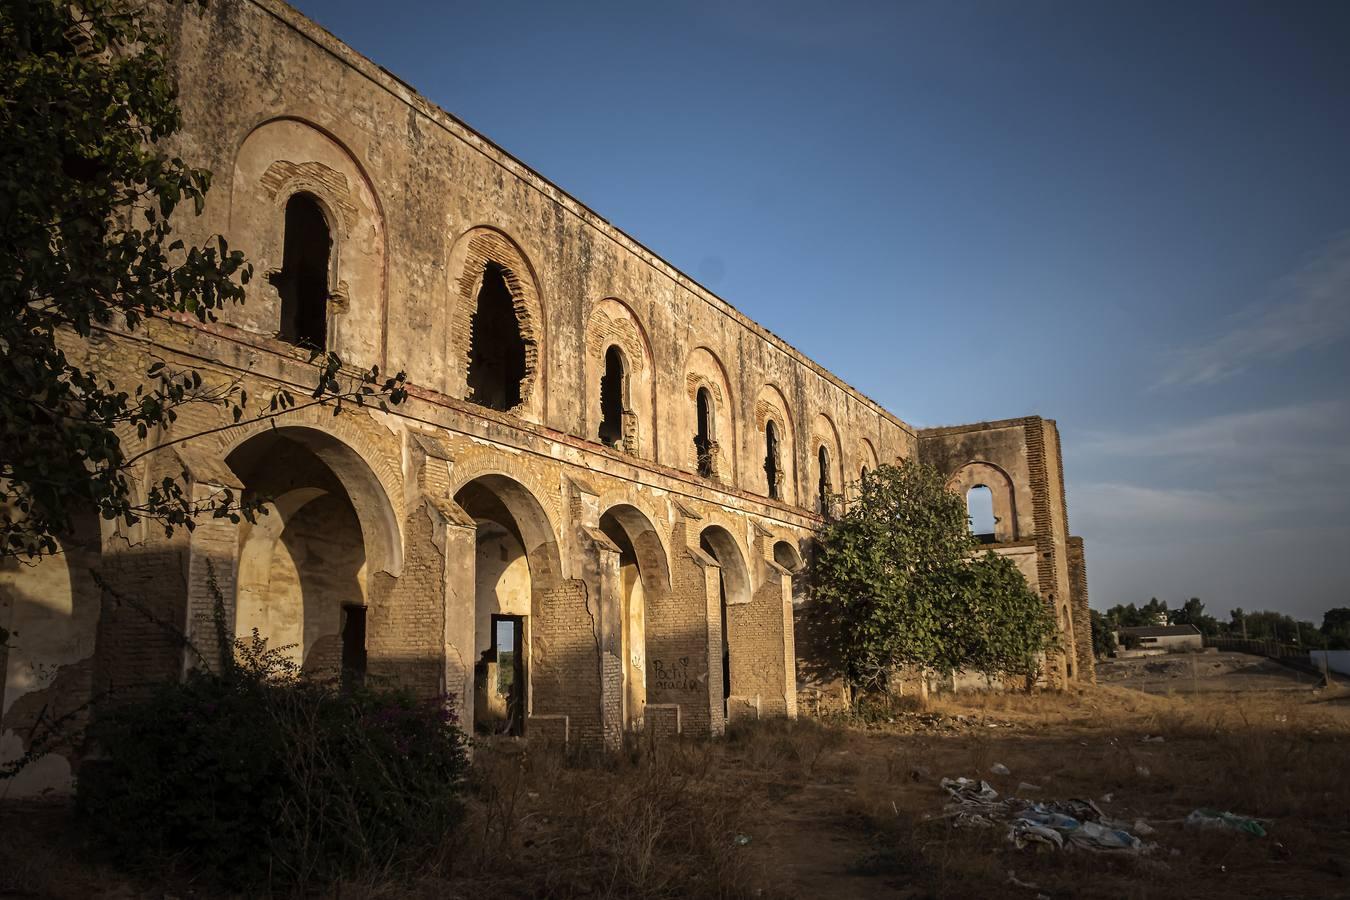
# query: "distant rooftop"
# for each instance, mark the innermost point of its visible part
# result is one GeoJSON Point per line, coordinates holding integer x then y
{"type": "Point", "coordinates": [1144, 631]}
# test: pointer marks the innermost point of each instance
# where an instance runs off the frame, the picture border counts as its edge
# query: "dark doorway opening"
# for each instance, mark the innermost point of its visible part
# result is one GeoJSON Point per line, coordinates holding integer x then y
{"type": "Point", "coordinates": [500, 704]}
{"type": "Point", "coordinates": [496, 348]}
{"type": "Point", "coordinates": [353, 644]}
{"type": "Point", "coordinates": [303, 279]}
{"type": "Point", "coordinates": [823, 486]}
{"type": "Point", "coordinates": [703, 437]}
{"type": "Point", "coordinates": [771, 472]}
{"type": "Point", "coordinates": [611, 399]}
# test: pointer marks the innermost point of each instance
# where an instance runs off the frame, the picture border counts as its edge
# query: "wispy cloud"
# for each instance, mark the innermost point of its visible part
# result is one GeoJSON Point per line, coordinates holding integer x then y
{"type": "Point", "coordinates": [1309, 308]}
{"type": "Point", "coordinates": [1116, 506]}
{"type": "Point", "coordinates": [1251, 472]}
{"type": "Point", "coordinates": [1276, 437]}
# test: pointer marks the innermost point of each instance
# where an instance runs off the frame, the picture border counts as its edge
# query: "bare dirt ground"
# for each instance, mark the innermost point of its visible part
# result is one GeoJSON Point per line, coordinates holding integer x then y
{"type": "Point", "coordinates": [811, 809]}
{"type": "Point", "coordinates": [1195, 672]}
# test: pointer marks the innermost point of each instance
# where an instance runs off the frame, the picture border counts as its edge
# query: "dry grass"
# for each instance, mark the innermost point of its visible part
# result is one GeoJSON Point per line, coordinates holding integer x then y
{"type": "Point", "coordinates": [843, 811]}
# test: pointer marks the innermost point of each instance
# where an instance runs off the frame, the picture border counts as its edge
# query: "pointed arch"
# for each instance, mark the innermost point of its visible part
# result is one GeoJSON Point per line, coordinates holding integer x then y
{"type": "Point", "coordinates": [612, 324]}
{"type": "Point", "coordinates": [484, 261]}
{"type": "Point", "coordinates": [706, 382]}
{"type": "Point", "coordinates": [277, 160]}
{"type": "Point", "coordinates": [771, 407]}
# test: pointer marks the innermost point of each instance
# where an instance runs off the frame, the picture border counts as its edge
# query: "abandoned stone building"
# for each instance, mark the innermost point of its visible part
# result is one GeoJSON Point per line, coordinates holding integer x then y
{"type": "Point", "coordinates": [589, 514]}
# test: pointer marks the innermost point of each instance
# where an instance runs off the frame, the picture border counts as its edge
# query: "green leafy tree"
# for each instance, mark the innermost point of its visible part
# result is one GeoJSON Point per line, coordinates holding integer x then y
{"type": "Point", "coordinates": [899, 583]}
{"type": "Point", "coordinates": [1192, 612]}
{"type": "Point", "coordinates": [1103, 635]}
{"type": "Point", "coordinates": [1336, 628]}
{"type": "Point", "coordinates": [87, 108]}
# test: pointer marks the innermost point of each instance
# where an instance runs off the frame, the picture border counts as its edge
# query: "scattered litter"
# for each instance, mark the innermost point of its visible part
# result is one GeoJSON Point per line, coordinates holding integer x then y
{"type": "Point", "coordinates": [1106, 798]}
{"type": "Point", "coordinates": [742, 840]}
{"type": "Point", "coordinates": [999, 769]}
{"type": "Point", "coordinates": [1060, 824]}
{"type": "Point", "coordinates": [1153, 739]}
{"type": "Point", "coordinates": [1142, 827]}
{"type": "Point", "coordinates": [1024, 788]}
{"type": "Point", "coordinates": [1142, 771]}
{"type": "Point", "coordinates": [1017, 882]}
{"type": "Point", "coordinates": [1210, 818]}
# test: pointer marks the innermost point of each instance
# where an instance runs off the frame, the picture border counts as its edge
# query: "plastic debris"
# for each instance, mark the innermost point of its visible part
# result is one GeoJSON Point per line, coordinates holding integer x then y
{"type": "Point", "coordinates": [1153, 739]}
{"type": "Point", "coordinates": [1143, 771]}
{"type": "Point", "coordinates": [1060, 824]}
{"type": "Point", "coordinates": [742, 840]}
{"type": "Point", "coordinates": [999, 769]}
{"type": "Point", "coordinates": [1026, 788]}
{"type": "Point", "coordinates": [1210, 818]}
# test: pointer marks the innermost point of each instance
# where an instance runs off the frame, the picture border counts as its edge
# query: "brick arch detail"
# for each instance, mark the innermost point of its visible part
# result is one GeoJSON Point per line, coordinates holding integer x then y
{"type": "Point", "coordinates": [980, 472]}
{"type": "Point", "coordinates": [357, 433]}
{"type": "Point", "coordinates": [479, 461]}
{"type": "Point", "coordinates": [469, 257]}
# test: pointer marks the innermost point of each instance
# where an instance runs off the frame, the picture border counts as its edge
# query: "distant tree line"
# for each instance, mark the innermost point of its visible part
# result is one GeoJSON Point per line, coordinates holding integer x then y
{"type": "Point", "coordinates": [1263, 625]}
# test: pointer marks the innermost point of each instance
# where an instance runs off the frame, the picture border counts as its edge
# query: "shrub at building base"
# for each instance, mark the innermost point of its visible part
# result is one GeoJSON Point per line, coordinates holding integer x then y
{"type": "Point", "coordinates": [900, 587]}
{"type": "Point", "coordinates": [265, 778]}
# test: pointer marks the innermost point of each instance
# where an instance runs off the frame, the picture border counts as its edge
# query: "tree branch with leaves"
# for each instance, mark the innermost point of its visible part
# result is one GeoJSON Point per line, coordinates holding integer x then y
{"type": "Point", "coordinates": [899, 583]}
{"type": "Point", "coordinates": [88, 194]}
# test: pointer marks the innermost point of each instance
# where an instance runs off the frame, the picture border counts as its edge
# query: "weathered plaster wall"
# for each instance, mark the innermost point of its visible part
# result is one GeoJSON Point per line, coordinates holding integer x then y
{"type": "Point", "coordinates": [1020, 461]}
{"type": "Point", "coordinates": [440, 512]}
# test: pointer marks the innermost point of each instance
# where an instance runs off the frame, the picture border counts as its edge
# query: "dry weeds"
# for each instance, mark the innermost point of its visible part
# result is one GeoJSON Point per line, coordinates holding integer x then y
{"type": "Point", "coordinates": [806, 809]}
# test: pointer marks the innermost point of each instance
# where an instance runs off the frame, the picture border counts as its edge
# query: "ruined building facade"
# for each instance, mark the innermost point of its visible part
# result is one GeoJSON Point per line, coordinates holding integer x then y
{"type": "Point", "coordinates": [588, 515]}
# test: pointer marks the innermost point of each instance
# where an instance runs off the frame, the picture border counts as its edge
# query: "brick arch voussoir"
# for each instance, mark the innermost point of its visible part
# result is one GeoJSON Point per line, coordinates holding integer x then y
{"type": "Point", "coordinates": [660, 525]}
{"type": "Point", "coordinates": [479, 461]}
{"type": "Point", "coordinates": [374, 446]}
{"type": "Point", "coordinates": [480, 246]}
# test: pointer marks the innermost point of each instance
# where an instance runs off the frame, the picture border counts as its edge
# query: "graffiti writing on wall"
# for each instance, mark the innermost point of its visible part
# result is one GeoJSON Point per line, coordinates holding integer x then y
{"type": "Point", "coordinates": [673, 676]}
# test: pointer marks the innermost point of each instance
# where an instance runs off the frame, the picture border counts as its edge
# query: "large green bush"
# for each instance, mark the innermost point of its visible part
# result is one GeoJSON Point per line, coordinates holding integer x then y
{"type": "Point", "coordinates": [265, 778]}
{"type": "Point", "coordinates": [900, 583]}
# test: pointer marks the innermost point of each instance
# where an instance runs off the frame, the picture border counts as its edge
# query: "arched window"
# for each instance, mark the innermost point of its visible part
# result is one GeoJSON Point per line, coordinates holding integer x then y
{"type": "Point", "coordinates": [772, 470]}
{"type": "Point", "coordinates": [303, 279]}
{"type": "Point", "coordinates": [703, 438]}
{"type": "Point", "coordinates": [496, 348]}
{"type": "Point", "coordinates": [612, 385]}
{"type": "Point", "coordinates": [824, 488]}
{"type": "Point", "coordinates": [980, 511]}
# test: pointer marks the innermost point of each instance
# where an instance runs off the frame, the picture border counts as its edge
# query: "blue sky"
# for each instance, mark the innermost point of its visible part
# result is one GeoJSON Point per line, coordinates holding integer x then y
{"type": "Point", "coordinates": [1131, 217]}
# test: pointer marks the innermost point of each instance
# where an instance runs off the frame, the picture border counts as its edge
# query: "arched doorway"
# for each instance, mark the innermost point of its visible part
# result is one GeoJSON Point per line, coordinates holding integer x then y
{"type": "Point", "coordinates": [789, 557]}
{"type": "Point", "coordinates": [644, 577]}
{"type": "Point", "coordinates": [49, 613]}
{"type": "Point", "coordinates": [304, 566]}
{"type": "Point", "coordinates": [516, 556]}
{"type": "Point", "coordinates": [613, 398]}
{"type": "Point", "coordinates": [734, 588]}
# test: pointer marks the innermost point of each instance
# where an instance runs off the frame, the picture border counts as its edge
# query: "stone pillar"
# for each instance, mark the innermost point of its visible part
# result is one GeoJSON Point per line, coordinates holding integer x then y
{"type": "Point", "coordinates": [784, 579]}
{"type": "Point", "coordinates": [455, 534]}
{"type": "Point", "coordinates": [712, 594]}
{"type": "Point", "coordinates": [596, 560]}
{"type": "Point", "coordinates": [212, 559]}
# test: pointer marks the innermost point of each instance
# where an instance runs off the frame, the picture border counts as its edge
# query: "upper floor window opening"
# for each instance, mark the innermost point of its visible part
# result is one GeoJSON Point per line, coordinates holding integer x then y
{"type": "Point", "coordinates": [980, 511]}
{"type": "Point", "coordinates": [496, 347]}
{"type": "Point", "coordinates": [705, 444]}
{"type": "Point", "coordinates": [303, 279]}
{"type": "Point", "coordinates": [773, 473]}
{"type": "Point", "coordinates": [613, 390]}
{"type": "Point", "coordinates": [823, 487]}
